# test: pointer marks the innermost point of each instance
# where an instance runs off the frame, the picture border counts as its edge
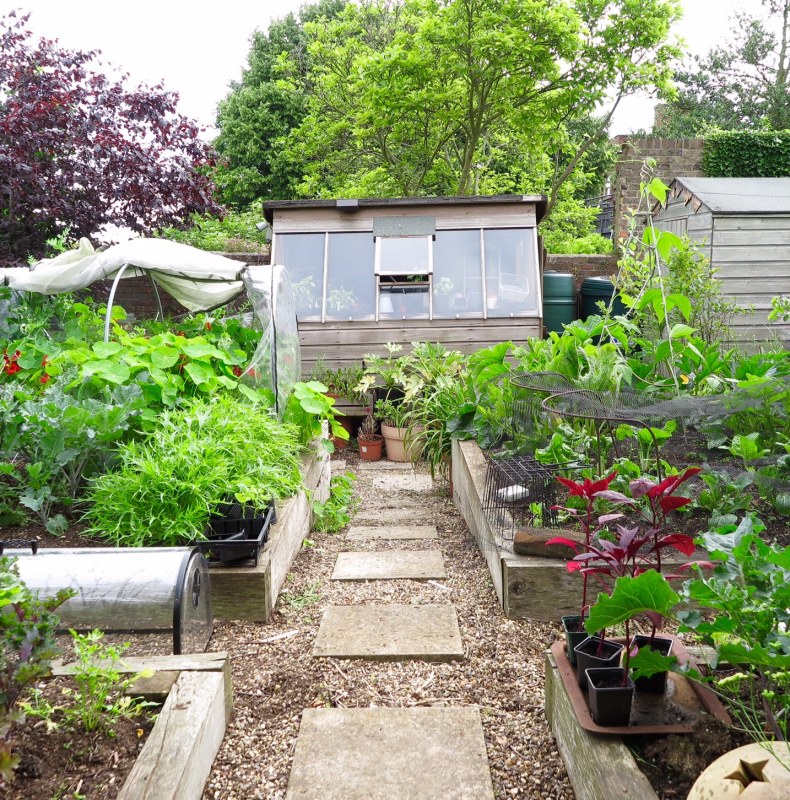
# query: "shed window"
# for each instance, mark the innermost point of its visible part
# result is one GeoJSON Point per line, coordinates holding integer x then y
{"type": "Point", "coordinates": [511, 272]}
{"type": "Point", "coordinates": [303, 257]}
{"type": "Point", "coordinates": [350, 285]}
{"type": "Point", "coordinates": [450, 275]}
{"type": "Point", "coordinates": [457, 274]}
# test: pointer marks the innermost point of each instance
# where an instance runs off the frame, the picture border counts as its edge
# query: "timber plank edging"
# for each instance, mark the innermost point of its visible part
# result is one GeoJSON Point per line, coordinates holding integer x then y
{"type": "Point", "coordinates": [176, 759]}
{"type": "Point", "coordinates": [250, 593]}
{"type": "Point", "coordinates": [599, 767]}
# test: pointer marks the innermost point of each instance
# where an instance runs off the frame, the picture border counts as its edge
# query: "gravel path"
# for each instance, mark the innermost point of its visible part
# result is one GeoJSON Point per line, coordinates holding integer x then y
{"type": "Point", "coordinates": [275, 677]}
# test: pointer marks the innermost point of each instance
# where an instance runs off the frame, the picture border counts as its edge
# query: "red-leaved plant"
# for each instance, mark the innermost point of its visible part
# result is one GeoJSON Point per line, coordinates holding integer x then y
{"type": "Point", "coordinates": [639, 546]}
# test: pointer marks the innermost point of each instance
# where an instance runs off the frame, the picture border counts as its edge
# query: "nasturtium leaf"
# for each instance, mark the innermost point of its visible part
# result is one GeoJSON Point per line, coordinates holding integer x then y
{"type": "Point", "coordinates": [106, 349]}
{"type": "Point", "coordinates": [198, 373]}
{"type": "Point", "coordinates": [111, 371]}
{"type": "Point", "coordinates": [649, 591]}
{"type": "Point", "coordinates": [165, 357]}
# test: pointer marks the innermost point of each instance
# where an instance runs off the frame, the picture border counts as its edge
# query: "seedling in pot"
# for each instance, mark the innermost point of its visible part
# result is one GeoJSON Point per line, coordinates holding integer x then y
{"type": "Point", "coordinates": [647, 594]}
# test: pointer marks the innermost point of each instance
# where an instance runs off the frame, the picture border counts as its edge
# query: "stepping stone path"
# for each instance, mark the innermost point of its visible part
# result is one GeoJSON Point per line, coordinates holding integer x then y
{"type": "Point", "coordinates": [394, 753]}
{"type": "Point", "coordinates": [390, 633]}
{"type": "Point", "coordinates": [360, 533]}
{"type": "Point", "coordinates": [418, 565]}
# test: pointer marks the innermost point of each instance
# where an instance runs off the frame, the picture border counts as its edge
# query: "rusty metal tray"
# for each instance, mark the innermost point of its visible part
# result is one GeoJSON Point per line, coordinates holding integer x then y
{"type": "Point", "coordinates": [677, 711]}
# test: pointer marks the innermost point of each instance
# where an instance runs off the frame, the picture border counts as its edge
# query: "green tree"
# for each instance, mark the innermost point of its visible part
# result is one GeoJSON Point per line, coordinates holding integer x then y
{"type": "Point", "coordinates": [743, 84]}
{"type": "Point", "coordinates": [413, 97]}
{"type": "Point", "coordinates": [262, 108]}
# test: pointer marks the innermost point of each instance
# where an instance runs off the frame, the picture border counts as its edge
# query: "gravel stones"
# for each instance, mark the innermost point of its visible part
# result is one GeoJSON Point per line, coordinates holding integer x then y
{"type": "Point", "coordinates": [276, 680]}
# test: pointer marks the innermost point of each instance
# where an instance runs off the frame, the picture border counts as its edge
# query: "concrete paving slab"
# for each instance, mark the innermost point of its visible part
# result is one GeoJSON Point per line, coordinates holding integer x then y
{"type": "Point", "coordinates": [338, 466]}
{"type": "Point", "coordinates": [392, 753]}
{"type": "Point", "coordinates": [390, 633]}
{"type": "Point", "coordinates": [389, 565]}
{"type": "Point", "coordinates": [362, 533]}
{"type": "Point", "coordinates": [402, 481]}
{"type": "Point", "coordinates": [385, 466]}
{"type": "Point", "coordinates": [390, 515]}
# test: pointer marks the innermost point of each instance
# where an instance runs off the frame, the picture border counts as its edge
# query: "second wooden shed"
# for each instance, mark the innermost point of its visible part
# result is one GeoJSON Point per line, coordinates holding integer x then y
{"type": "Point", "coordinates": [744, 227]}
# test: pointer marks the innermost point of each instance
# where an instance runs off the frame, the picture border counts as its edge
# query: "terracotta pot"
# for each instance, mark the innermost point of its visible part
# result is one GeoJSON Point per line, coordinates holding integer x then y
{"type": "Point", "coordinates": [370, 447]}
{"type": "Point", "coordinates": [396, 451]}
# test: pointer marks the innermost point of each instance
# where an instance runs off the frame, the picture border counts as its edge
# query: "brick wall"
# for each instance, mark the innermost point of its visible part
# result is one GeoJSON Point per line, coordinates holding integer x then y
{"type": "Point", "coordinates": [674, 158]}
{"type": "Point", "coordinates": [137, 297]}
{"type": "Point", "coordinates": [582, 266]}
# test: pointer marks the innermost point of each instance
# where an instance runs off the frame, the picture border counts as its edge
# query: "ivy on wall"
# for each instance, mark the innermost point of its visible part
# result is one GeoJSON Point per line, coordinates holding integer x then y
{"type": "Point", "coordinates": [747, 154]}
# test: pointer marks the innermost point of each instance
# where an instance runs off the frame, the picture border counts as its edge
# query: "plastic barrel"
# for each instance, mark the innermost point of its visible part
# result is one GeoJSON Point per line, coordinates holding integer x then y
{"type": "Point", "coordinates": [559, 300]}
{"type": "Point", "coordinates": [595, 290]}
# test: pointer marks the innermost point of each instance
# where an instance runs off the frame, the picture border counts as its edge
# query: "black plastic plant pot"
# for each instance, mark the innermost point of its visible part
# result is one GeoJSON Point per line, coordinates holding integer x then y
{"type": "Point", "coordinates": [574, 635]}
{"type": "Point", "coordinates": [237, 533]}
{"type": "Point", "coordinates": [610, 694]}
{"type": "Point", "coordinates": [595, 652]}
{"type": "Point", "coordinates": [656, 683]}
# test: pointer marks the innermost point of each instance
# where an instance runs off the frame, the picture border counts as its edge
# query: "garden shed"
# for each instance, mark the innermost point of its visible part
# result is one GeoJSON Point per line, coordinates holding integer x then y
{"type": "Point", "coordinates": [744, 227]}
{"type": "Point", "coordinates": [462, 271]}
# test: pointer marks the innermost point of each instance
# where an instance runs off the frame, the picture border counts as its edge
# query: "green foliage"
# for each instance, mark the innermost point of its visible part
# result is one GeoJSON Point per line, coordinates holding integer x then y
{"type": "Point", "coordinates": [747, 154]}
{"type": "Point", "coordinates": [570, 229]}
{"type": "Point", "coordinates": [263, 107]}
{"type": "Point", "coordinates": [404, 99]}
{"type": "Point", "coordinates": [723, 497]}
{"type": "Point", "coordinates": [309, 410]}
{"type": "Point", "coordinates": [236, 232]}
{"type": "Point", "coordinates": [737, 86]}
{"type": "Point", "coordinates": [99, 700]}
{"type": "Point", "coordinates": [168, 485]}
{"type": "Point", "coordinates": [27, 645]}
{"type": "Point", "coordinates": [746, 447]}
{"type": "Point", "coordinates": [167, 366]}
{"type": "Point", "coordinates": [333, 515]}
{"type": "Point", "coordinates": [392, 413]}
{"type": "Point", "coordinates": [743, 609]}
{"type": "Point", "coordinates": [648, 592]}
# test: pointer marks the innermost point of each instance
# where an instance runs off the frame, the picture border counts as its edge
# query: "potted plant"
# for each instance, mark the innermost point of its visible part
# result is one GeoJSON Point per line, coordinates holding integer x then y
{"type": "Point", "coordinates": [394, 426]}
{"type": "Point", "coordinates": [631, 552]}
{"type": "Point", "coordinates": [442, 290]}
{"type": "Point", "coordinates": [573, 624]}
{"type": "Point", "coordinates": [610, 691]}
{"type": "Point", "coordinates": [370, 442]}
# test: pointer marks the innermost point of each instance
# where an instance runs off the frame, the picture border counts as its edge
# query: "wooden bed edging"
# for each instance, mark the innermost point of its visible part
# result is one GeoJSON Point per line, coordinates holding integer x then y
{"type": "Point", "coordinates": [250, 593]}
{"type": "Point", "coordinates": [176, 759]}
{"type": "Point", "coordinates": [599, 767]}
{"type": "Point", "coordinates": [528, 587]}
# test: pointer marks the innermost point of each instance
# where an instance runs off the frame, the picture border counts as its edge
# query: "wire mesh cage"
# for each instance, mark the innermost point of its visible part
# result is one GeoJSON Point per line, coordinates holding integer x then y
{"type": "Point", "coordinates": [519, 490]}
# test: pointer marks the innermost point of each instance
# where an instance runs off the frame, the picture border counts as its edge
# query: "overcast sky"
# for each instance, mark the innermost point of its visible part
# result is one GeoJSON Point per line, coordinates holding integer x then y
{"type": "Point", "coordinates": [196, 49]}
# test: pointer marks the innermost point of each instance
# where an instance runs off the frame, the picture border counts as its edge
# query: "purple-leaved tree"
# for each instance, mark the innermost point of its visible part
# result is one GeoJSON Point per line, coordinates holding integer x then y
{"type": "Point", "coordinates": [80, 150]}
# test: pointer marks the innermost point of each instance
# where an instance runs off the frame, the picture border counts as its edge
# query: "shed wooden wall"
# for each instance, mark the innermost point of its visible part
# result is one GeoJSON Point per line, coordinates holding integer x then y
{"type": "Point", "coordinates": [342, 344]}
{"type": "Point", "coordinates": [752, 254]}
{"type": "Point", "coordinates": [448, 217]}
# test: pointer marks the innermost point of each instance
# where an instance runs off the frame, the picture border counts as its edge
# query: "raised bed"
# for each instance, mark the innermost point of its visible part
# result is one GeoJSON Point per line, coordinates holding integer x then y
{"type": "Point", "coordinates": [250, 592]}
{"type": "Point", "coordinates": [599, 767]}
{"type": "Point", "coordinates": [528, 587]}
{"type": "Point", "coordinates": [176, 759]}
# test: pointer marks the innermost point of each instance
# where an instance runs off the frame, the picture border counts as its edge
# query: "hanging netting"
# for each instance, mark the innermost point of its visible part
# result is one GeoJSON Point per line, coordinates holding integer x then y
{"type": "Point", "coordinates": [521, 484]}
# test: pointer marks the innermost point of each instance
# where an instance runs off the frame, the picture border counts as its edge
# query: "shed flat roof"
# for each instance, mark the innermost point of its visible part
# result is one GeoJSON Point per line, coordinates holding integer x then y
{"type": "Point", "coordinates": [350, 205]}
{"type": "Point", "coordinates": [740, 195]}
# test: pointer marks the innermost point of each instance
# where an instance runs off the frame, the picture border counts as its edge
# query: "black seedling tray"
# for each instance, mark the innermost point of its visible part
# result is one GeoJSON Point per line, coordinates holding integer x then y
{"type": "Point", "coordinates": [237, 533]}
